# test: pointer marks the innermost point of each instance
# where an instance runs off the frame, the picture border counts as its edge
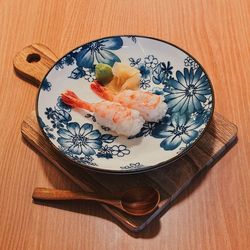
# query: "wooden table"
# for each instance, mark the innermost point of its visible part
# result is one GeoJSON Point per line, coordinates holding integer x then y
{"type": "Point", "coordinates": [214, 213]}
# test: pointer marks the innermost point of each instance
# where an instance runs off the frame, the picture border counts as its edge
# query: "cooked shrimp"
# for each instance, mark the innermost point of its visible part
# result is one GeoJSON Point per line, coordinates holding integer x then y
{"type": "Point", "coordinates": [120, 119]}
{"type": "Point", "coordinates": [151, 106]}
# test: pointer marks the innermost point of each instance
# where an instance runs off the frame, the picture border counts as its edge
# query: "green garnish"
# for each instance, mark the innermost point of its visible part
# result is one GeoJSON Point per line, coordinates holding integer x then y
{"type": "Point", "coordinates": [103, 73]}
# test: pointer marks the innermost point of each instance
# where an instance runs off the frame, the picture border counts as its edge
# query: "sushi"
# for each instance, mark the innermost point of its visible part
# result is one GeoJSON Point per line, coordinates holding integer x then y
{"type": "Point", "coordinates": [151, 106]}
{"type": "Point", "coordinates": [120, 119]}
{"type": "Point", "coordinates": [125, 108]}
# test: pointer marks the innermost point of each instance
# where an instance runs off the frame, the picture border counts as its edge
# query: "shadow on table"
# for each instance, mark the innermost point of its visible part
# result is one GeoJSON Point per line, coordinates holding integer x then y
{"type": "Point", "coordinates": [59, 181]}
{"type": "Point", "coordinates": [199, 178]}
{"type": "Point", "coordinates": [95, 210]}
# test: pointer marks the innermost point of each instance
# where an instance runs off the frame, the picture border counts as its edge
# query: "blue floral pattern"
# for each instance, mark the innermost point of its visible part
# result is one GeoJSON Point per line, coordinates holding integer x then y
{"type": "Point", "coordinates": [46, 129]}
{"type": "Point", "coordinates": [46, 85]}
{"type": "Point", "coordinates": [190, 63]}
{"type": "Point", "coordinates": [146, 130]}
{"type": "Point", "coordinates": [95, 52]}
{"type": "Point", "coordinates": [151, 61]}
{"type": "Point", "coordinates": [89, 75]}
{"type": "Point", "coordinates": [162, 73]}
{"type": "Point", "coordinates": [58, 117]}
{"type": "Point", "coordinates": [184, 85]}
{"type": "Point", "coordinates": [152, 71]}
{"type": "Point", "coordinates": [133, 38]}
{"type": "Point", "coordinates": [188, 91]}
{"type": "Point", "coordinates": [207, 107]}
{"type": "Point", "coordinates": [80, 142]}
{"type": "Point", "coordinates": [98, 51]}
{"type": "Point", "coordinates": [87, 56]}
{"type": "Point", "coordinates": [144, 71]}
{"type": "Point", "coordinates": [116, 150]}
{"type": "Point", "coordinates": [105, 152]}
{"type": "Point", "coordinates": [66, 61]}
{"type": "Point", "coordinates": [181, 129]}
{"type": "Point", "coordinates": [134, 62]}
{"type": "Point", "coordinates": [77, 73]}
{"type": "Point", "coordinates": [144, 84]}
{"type": "Point", "coordinates": [120, 150]}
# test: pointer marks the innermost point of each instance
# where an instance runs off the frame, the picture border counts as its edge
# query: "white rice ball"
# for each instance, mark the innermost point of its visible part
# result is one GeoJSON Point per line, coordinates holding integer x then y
{"type": "Point", "coordinates": [127, 125]}
{"type": "Point", "coordinates": [156, 114]}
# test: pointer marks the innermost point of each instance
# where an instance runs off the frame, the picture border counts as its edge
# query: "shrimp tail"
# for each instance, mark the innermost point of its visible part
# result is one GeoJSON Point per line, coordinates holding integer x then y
{"type": "Point", "coordinates": [101, 91]}
{"type": "Point", "coordinates": [71, 99]}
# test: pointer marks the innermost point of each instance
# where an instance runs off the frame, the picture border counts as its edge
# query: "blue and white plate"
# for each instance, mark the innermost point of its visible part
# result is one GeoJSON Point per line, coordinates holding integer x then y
{"type": "Point", "coordinates": [165, 70]}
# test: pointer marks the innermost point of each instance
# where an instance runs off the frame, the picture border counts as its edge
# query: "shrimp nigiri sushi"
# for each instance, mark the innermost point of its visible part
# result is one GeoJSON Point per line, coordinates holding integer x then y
{"type": "Point", "coordinates": [120, 119]}
{"type": "Point", "coordinates": [151, 106]}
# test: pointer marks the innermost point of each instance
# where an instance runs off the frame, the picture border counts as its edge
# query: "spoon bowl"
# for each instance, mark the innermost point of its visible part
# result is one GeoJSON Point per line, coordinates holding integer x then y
{"type": "Point", "coordinates": [137, 201]}
{"type": "Point", "coordinates": [140, 200]}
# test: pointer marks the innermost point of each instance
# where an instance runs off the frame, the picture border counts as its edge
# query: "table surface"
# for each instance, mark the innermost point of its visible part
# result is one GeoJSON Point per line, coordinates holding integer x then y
{"type": "Point", "coordinates": [214, 213]}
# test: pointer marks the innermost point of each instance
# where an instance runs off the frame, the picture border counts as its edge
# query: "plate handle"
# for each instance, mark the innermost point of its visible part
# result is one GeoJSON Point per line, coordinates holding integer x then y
{"type": "Point", "coordinates": [33, 62]}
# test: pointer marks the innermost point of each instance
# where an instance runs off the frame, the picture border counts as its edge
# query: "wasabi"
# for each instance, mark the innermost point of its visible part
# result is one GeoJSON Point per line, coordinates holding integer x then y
{"type": "Point", "coordinates": [103, 73]}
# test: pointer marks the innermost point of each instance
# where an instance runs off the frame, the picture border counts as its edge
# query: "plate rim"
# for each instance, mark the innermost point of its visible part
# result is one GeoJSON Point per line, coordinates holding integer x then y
{"type": "Point", "coordinates": [133, 171]}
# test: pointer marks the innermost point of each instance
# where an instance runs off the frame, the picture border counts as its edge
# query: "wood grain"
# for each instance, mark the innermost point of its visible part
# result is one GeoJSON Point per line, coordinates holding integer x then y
{"type": "Point", "coordinates": [170, 180]}
{"type": "Point", "coordinates": [215, 212]}
{"type": "Point", "coordinates": [39, 57]}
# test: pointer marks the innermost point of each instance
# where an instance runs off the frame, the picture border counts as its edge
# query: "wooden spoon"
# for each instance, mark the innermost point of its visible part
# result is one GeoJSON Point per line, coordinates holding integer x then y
{"type": "Point", "coordinates": [136, 201]}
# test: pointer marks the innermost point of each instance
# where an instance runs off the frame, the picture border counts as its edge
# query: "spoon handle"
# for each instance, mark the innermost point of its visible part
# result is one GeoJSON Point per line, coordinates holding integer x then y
{"type": "Point", "coordinates": [41, 193]}
{"type": "Point", "coordinates": [48, 194]}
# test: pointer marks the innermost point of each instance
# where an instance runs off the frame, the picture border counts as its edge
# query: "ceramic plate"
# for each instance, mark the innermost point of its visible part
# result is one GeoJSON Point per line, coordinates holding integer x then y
{"type": "Point", "coordinates": [165, 70]}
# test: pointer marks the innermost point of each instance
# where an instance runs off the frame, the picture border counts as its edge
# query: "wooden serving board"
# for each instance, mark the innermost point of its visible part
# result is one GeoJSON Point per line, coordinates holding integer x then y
{"type": "Point", "coordinates": [170, 180]}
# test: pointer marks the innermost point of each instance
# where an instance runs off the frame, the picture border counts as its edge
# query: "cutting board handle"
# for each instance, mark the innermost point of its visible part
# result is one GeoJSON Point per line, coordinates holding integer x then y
{"type": "Point", "coordinates": [33, 62]}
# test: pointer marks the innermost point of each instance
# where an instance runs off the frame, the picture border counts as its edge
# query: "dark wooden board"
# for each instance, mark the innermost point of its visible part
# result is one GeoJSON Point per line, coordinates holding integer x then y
{"type": "Point", "coordinates": [171, 180]}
